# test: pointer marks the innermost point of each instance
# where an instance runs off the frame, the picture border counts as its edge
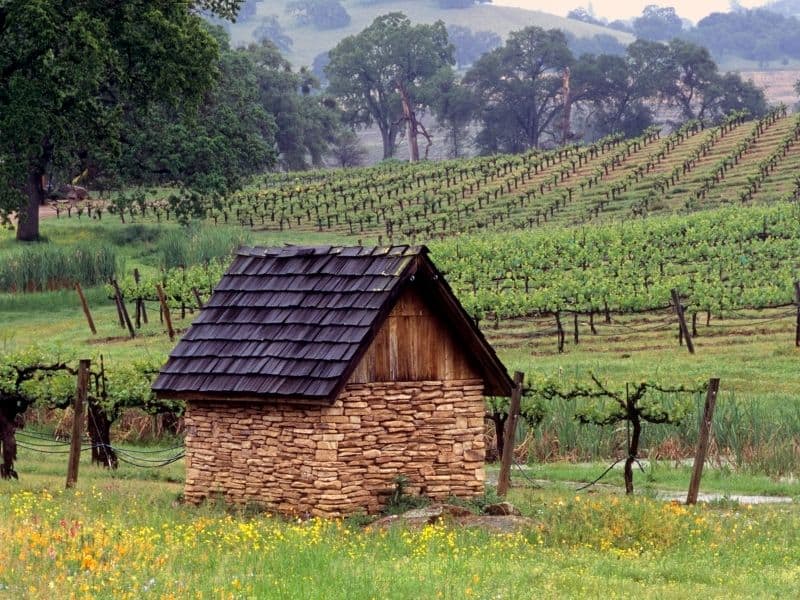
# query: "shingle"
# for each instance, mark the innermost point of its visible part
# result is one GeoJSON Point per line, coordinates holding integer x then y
{"type": "Point", "coordinates": [285, 321]}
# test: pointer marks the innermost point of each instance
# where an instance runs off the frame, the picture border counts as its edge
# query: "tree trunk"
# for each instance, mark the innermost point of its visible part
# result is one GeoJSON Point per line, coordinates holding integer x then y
{"type": "Point", "coordinates": [411, 124]}
{"type": "Point", "coordinates": [633, 450]}
{"type": "Point", "coordinates": [388, 143]}
{"type": "Point", "coordinates": [499, 421]}
{"type": "Point", "coordinates": [100, 434]}
{"type": "Point", "coordinates": [565, 90]}
{"type": "Point", "coordinates": [28, 218]}
{"type": "Point", "coordinates": [170, 422]}
{"type": "Point", "coordinates": [8, 442]}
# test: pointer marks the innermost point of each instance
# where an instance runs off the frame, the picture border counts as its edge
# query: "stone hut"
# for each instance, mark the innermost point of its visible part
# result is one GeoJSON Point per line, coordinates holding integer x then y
{"type": "Point", "coordinates": [314, 376]}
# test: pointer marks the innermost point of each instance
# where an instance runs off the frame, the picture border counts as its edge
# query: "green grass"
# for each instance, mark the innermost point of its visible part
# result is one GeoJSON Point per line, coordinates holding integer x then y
{"type": "Point", "coordinates": [658, 476]}
{"type": "Point", "coordinates": [116, 536]}
{"type": "Point", "coordinates": [756, 429]}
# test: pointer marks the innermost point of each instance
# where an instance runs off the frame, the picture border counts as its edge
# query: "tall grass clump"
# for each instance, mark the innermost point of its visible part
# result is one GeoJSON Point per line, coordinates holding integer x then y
{"type": "Point", "coordinates": [47, 267]}
{"type": "Point", "coordinates": [186, 247]}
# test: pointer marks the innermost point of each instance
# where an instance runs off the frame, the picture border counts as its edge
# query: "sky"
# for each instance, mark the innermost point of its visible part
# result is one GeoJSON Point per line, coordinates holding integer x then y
{"type": "Point", "coordinates": [694, 10]}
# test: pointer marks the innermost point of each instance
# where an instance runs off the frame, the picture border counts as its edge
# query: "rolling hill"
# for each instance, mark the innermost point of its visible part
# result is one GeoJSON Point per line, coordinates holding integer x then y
{"type": "Point", "coordinates": [309, 42]}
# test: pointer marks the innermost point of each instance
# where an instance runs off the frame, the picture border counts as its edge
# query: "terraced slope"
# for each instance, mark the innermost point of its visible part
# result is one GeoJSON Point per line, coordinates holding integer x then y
{"type": "Point", "coordinates": [694, 168]}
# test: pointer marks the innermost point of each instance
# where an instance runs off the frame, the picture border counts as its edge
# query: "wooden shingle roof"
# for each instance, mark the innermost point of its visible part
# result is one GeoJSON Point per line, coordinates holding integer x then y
{"type": "Point", "coordinates": [293, 322]}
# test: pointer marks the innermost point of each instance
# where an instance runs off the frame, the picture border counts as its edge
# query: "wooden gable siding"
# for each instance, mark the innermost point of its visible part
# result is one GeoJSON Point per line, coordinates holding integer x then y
{"type": "Point", "coordinates": [414, 344]}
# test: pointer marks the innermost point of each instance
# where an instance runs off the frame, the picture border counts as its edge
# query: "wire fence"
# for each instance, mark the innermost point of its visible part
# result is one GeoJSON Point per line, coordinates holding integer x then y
{"type": "Point", "coordinates": [144, 459]}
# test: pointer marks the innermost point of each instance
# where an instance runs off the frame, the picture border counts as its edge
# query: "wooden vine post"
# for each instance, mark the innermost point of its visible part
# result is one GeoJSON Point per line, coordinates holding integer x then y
{"type": "Point", "coordinates": [141, 311]}
{"type": "Point", "coordinates": [165, 311]}
{"type": "Point", "coordinates": [123, 309]}
{"type": "Point", "coordinates": [77, 422]}
{"type": "Point", "coordinates": [504, 479]}
{"type": "Point", "coordinates": [85, 306]}
{"type": "Point", "coordinates": [702, 442]}
{"type": "Point", "coordinates": [676, 301]}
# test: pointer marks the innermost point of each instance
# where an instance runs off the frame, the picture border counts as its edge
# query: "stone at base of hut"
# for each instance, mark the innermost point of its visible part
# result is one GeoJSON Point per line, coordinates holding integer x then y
{"type": "Point", "coordinates": [457, 515]}
{"type": "Point", "coordinates": [502, 509]}
{"type": "Point", "coordinates": [426, 515]}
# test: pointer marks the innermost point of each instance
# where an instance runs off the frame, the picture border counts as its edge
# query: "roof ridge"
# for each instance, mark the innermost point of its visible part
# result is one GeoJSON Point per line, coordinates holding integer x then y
{"type": "Point", "coordinates": [356, 251]}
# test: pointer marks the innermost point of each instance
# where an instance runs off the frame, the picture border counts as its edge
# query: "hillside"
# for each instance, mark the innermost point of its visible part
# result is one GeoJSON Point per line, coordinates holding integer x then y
{"type": "Point", "coordinates": [308, 42]}
{"type": "Point", "coordinates": [693, 168]}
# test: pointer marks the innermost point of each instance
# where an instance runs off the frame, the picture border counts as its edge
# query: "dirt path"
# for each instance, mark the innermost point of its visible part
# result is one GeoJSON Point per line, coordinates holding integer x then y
{"type": "Point", "coordinates": [46, 211]}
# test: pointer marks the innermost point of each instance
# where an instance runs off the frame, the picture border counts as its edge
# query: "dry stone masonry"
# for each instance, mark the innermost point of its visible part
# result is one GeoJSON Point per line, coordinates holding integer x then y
{"type": "Point", "coordinates": [339, 459]}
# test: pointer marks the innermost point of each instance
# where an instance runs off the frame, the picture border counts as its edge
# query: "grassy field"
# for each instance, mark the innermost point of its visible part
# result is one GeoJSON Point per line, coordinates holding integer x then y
{"type": "Point", "coordinates": [757, 424]}
{"type": "Point", "coordinates": [126, 535]}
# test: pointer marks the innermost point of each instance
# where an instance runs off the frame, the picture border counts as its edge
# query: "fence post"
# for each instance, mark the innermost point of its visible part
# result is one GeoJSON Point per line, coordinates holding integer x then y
{"type": "Point", "coordinates": [702, 442]}
{"type": "Point", "coordinates": [77, 422]}
{"type": "Point", "coordinates": [123, 308]}
{"type": "Point", "coordinates": [165, 311]}
{"type": "Point", "coordinates": [504, 478]}
{"type": "Point", "coordinates": [85, 306]}
{"type": "Point", "coordinates": [676, 300]}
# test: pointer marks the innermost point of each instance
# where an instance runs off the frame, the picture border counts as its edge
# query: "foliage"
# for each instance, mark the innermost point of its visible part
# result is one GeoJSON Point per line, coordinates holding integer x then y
{"type": "Point", "coordinates": [346, 149]}
{"type": "Point", "coordinates": [70, 71]}
{"type": "Point", "coordinates": [306, 122]}
{"type": "Point", "coordinates": [400, 500]}
{"type": "Point", "coordinates": [471, 45]}
{"type": "Point", "coordinates": [319, 14]}
{"type": "Point", "coordinates": [635, 406]}
{"type": "Point", "coordinates": [211, 148]}
{"type": "Point", "coordinates": [380, 74]}
{"type": "Point", "coordinates": [455, 106]}
{"type": "Point", "coordinates": [719, 260]}
{"type": "Point", "coordinates": [448, 4]}
{"type": "Point", "coordinates": [585, 16]}
{"type": "Point", "coordinates": [271, 30]}
{"type": "Point", "coordinates": [601, 43]}
{"type": "Point", "coordinates": [657, 23]}
{"type": "Point", "coordinates": [519, 84]}
{"type": "Point", "coordinates": [199, 246]}
{"type": "Point", "coordinates": [38, 376]}
{"type": "Point", "coordinates": [761, 34]}
{"type": "Point", "coordinates": [225, 9]}
{"type": "Point", "coordinates": [35, 375]}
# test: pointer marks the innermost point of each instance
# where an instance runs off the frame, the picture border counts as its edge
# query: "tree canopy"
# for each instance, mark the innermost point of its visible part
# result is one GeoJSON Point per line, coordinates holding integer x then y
{"type": "Point", "coordinates": [380, 75]}
{"type": "Point", "coordinates": [71, 70]}
{"type": "Point", "coordinates": [657, 23]}
{"type": "Point", "coordinates": [212, 147]}
{"type": "Point", "coordinates": [319, 14]}
{"type": "Point", "coordinates": [519, 86]}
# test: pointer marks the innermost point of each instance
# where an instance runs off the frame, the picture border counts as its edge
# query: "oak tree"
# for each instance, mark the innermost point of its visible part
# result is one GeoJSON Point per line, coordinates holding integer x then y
{"type": "Point", "coordinates": [70, 70]}
{"type": "Point", "coordinates": [381, 73]}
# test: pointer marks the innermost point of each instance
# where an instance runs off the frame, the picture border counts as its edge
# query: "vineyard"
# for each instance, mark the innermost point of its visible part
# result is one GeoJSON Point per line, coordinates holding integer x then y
{"type": "Point", "coordinates": [570, 259]}
{"type": "Point", "coordinates": [696, 167]}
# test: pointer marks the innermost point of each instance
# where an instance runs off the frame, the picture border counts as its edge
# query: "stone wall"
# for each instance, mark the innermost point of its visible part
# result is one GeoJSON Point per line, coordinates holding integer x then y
{"type": "Point", "coordinates": [340, 459]}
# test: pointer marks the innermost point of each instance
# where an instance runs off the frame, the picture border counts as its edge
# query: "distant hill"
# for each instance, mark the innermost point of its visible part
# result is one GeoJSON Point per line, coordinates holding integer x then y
{"type": "Point", "coordinates": [308, 42]}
